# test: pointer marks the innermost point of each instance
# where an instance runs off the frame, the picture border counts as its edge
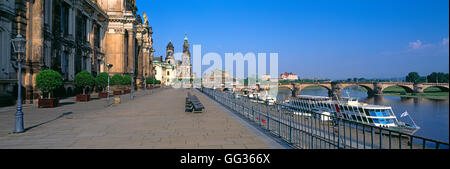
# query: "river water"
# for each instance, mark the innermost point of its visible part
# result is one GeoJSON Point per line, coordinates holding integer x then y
{"type": "Point", "coordinates": [431, 115]}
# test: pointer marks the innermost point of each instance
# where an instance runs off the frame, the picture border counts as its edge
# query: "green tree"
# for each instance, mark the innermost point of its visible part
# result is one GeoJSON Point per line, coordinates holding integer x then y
{"type": "Point", "coordinates": [149, 80]}
{"type": "Point", "coordinates": [126, 80]}
{"type": "Point", "coordinates": [83, 80]}
{"type": "Point", "coordinates": [116, 79]}
{"type": "Point", "coordinates": [101, 80]}
{"type": "Point", "coordinates": [438, 77]}
{"type": "Point", "coordinates": [412, 77]}
{"type": "Point", "coordinates": [48, 80]}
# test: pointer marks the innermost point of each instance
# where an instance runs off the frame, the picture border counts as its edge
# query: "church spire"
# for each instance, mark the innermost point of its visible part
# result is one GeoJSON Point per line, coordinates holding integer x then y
{"type": "Point", "coordinates": [185, 44]}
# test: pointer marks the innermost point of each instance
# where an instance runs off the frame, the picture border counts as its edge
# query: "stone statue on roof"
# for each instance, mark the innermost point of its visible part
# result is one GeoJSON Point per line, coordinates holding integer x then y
{"type": "Point", "coordinates": [145, 19]}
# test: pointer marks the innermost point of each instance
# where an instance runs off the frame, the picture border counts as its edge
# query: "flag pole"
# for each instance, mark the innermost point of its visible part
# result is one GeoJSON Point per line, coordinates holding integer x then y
{"type": "Point", "coordinates": [412, 120]}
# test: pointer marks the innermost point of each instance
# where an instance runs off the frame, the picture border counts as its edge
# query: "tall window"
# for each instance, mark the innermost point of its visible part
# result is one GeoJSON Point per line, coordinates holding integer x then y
{"type": "Point", "coordinates": [65, 65]}
{"type": "Point", "coordinates": [64, 20]}
{"type": "Point", "coordinates": [3, 51]}
{"type": "Point", "coordinates": [97, 36]}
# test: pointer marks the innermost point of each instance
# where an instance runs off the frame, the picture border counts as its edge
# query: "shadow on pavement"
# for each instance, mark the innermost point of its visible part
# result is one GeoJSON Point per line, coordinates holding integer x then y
{"type": "Point", "coordinates": [40, 124]}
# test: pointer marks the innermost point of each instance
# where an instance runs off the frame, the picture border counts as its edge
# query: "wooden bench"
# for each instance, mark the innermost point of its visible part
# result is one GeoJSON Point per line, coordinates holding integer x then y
{"type": "Point", "coordinates": [193, 104]}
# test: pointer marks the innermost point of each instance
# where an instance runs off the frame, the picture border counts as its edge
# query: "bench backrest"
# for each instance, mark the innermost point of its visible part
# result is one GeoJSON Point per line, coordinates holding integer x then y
{"type": "Point", "coordinates": [196, 102]}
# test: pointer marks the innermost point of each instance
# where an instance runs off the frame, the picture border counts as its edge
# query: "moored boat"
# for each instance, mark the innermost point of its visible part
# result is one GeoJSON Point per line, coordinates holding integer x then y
{"type": "Point", "coordinates": [349, 109]}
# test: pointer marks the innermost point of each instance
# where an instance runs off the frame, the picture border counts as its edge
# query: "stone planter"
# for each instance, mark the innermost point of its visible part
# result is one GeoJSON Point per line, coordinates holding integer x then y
{"type": "Point", "coordinates": [102, 94]}
{"type": "Point", "coordinates": [48, 103]}
{"type": "Point", "coordinates": [117, 92]}
{"type": "Point", "coordinates": [83, 97]}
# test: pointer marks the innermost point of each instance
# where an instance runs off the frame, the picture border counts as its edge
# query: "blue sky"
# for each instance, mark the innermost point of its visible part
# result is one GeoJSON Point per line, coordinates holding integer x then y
{"type": "Point", "coordinates": [333, 39]}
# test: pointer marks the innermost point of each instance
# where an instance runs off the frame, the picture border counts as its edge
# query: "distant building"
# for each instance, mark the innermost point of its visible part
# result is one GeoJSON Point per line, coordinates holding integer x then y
{"type": "Point", "coordinates": [219, 78]}
{"type": "Point", "coordinates": [288, 76]}
{"type": "Point", "coordinates": [265, 77]}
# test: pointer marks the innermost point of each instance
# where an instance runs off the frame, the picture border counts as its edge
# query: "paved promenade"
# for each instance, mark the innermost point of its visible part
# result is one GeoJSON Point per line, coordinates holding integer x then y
{"type": "Point", "coordinates": [151, 121]}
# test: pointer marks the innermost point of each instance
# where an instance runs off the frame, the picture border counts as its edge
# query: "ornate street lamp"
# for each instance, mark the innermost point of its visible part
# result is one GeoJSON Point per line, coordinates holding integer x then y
{"type": "Point", "coordinates": [132, 81]}
{"type": "Point", "coordinates": [109, 66]}
{"type": "Point", "coordinates": [19, 45]}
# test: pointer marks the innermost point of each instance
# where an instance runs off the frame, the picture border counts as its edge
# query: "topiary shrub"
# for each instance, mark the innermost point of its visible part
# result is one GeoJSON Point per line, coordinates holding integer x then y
{"type": "Point", "coordinates": [48, 80]}
{"type": "Point", "coordinates": [149, 80]}
{"type": "Point", "coordinates": [116, 80]}
{"type": "Point", "coordinates": [126, 80]}
{"type": "Point", "coordinates": [84, 79]}
{"type": "Point", "coordinates": [101, 81]}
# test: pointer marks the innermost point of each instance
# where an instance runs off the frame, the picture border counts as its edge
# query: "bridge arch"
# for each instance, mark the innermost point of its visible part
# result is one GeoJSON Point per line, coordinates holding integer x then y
{"type": "Point", "coordinates": [406, 88]}
{"type": "Point", "coordinates": [369, 89]}
{"type": "Point", "coordinates": [285, 87]}
{"type": "Point", "coordinates": [442, 88]}
{"type": "Point", "coordinates": [301, 88]}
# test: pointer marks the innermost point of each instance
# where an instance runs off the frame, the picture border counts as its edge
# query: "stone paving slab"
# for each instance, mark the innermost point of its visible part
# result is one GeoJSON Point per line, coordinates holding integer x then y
{"type": "Point", "coordinates": [150, 121]}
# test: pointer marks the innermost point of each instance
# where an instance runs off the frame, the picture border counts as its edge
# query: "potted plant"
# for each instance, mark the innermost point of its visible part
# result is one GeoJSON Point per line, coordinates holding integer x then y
{"type": "Point", "coordinates": [126, 81]}
{"type": "Point", "coordinates": [83, 80]}
{"type": "Point", "coordinates": [115, 82]}
{"type": "Point", "coordinates": [158, 82]}
{"type": "Point", "coordinates": [47, 81]}
{"type": "Point", "coordinates": [101, 82]}
{"type": "Point", "coordinates": [149, 82]}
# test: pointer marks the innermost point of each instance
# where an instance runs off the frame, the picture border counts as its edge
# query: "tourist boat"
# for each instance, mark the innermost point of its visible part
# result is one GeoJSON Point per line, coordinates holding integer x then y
{"type": "Point", "coordinates": [267, 99]}
{"type": "Point", "coordinates": [349, 109]}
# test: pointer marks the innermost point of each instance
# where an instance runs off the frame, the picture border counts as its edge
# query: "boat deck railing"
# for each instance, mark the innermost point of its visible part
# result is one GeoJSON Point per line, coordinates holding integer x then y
{"type": "Point", "coordinates": [311, 130]}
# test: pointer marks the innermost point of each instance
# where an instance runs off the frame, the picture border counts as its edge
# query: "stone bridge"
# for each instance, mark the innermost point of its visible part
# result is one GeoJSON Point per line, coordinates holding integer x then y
{"type": "Point", "coordinates": [335, 88]}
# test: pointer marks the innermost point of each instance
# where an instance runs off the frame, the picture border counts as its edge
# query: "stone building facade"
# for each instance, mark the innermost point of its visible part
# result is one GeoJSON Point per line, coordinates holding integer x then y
{"type": "Point", "coordinates": [129, 40]}
{"type": "Point", "coordinates": [69, 36]}
{"type": "Point", "coordinates": [7, 72]}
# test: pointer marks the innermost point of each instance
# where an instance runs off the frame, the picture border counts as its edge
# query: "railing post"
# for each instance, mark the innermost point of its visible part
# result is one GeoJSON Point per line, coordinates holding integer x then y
{"type": "Point", "coordinates": [311, 130]}
{"type": "Point", "coordinates": [339, 133]}
{"type": "Point", "coordinates": [268, 119]}
{"type": "Point", "coordinates": [279, 121]}
{"type": "Point", "coordinates": [381, 138]}
{"type": "Point", "coordinates": [290, 128]}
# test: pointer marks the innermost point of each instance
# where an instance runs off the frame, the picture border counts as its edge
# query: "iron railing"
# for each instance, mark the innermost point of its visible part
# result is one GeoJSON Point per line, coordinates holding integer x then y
{"type": "Point", "coordinates": [319, 131]}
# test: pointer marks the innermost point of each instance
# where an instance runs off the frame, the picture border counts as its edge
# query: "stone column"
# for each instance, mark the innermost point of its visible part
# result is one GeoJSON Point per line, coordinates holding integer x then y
{"type": "Point", "coordinates": [378, 88]}
{"type": "Point", "coordinates": [36, 51]}
{"type": "Point", "coordinates": [140, 66]}
{"type": "Point", "coordinates": [418, 88]}
{"type": "Point", "coordinates": [295, 90]}
{"type": "Point", "coordinates": [131, 50]}
{"type": "Point", "coordinates": [335, 92]}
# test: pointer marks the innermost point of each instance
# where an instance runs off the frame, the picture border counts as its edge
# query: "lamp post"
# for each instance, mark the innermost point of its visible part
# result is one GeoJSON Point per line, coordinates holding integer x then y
{"type": "Point", "coordinates": [109, 66]}
{"type": "Point", "coordinates": [19, 47]}
{"type": "Point", "coordinates": [132, 80]}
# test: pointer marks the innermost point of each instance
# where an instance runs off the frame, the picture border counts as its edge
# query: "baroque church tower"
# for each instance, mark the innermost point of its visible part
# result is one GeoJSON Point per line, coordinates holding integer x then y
{"type": "Point", "coordinates": [170, 59]}
{"type": "Point", "coordinates": [185, 70]}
